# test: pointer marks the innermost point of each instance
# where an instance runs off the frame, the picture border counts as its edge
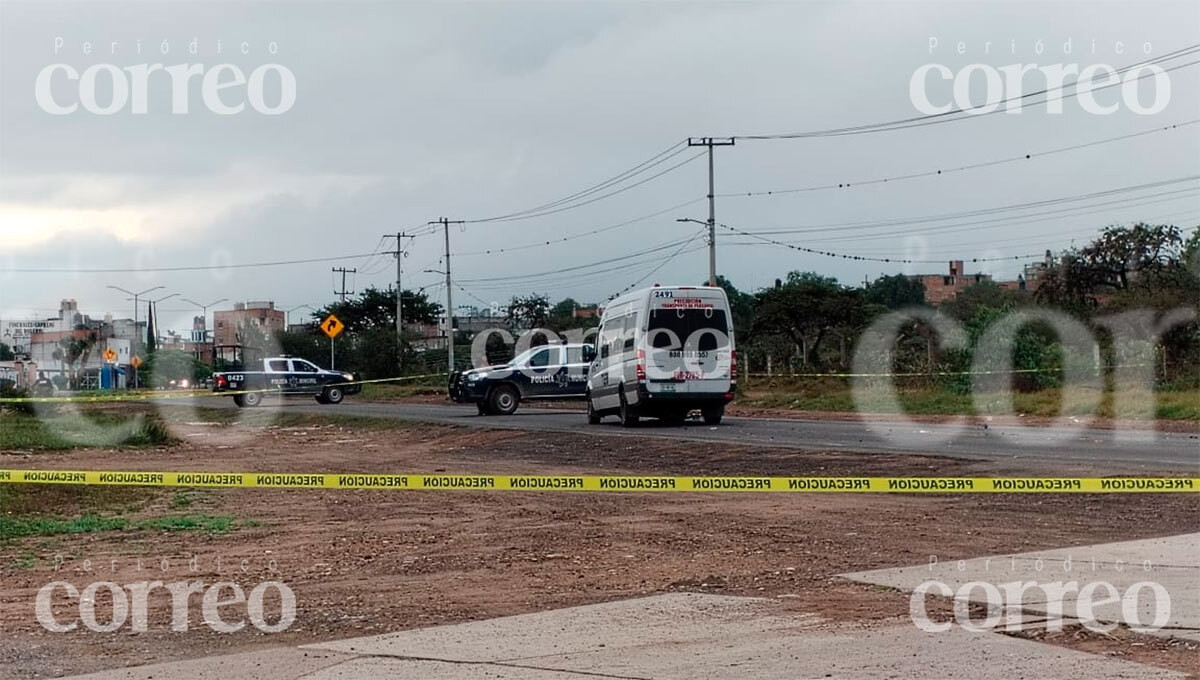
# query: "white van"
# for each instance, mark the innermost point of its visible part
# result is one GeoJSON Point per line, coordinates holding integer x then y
{"type": "Point", "coordinates": [662, 352]}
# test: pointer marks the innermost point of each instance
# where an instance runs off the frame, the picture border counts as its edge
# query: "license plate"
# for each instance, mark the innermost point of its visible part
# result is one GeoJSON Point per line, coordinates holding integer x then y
{"type": "Point", "coordinates": [668, 387]}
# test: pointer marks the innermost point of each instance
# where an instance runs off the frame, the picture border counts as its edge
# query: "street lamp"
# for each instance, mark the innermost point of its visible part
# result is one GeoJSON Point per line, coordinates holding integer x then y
{"type": "Point", "coordinates": [204, 311]}
{"type": "Point", "coordinates": [137, 334]}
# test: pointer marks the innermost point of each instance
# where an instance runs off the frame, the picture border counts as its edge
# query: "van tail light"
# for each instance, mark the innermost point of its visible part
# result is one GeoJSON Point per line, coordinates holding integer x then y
{"type": "Point", "coordinates": [641, 365]}
{"type": "Point", "coordinates": [733, 366]}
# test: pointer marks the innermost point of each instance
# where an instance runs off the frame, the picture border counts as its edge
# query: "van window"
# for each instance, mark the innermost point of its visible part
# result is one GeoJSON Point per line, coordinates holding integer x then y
{"type": "Point", "coordinates": [673, 328]}
{"type": "Point", "coordinates": [630, 331]}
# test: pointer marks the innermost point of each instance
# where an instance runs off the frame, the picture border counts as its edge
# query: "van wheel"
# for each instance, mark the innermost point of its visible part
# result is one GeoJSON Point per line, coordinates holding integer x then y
{"type": "Point", "coordinates": [237, 399]}
{"type": "Point", "coordinates": [333, 395]}
{"type": "Point", "coordinates": [252, 399]}
{"type": "Point", "coordinates": [712, 415]}
{"type": "Point", "coordinates": [593, 416]}
{"type": "Point", "coordinates": [628, 417]}
{"type": "Point", "coordinates": [503, 400]}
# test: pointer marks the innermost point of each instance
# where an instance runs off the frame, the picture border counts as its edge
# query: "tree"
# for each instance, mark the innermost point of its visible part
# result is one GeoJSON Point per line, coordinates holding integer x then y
{"type": "Point", "coordinates": [6, 353]}
{"type": "Point", "coordinates": [807, 308]}
{"type": "Point", "coordinates": [531, 311]}
{"type": "Point", "coordinates": [166, 365]}
{"type": "Point", "coordinates": [376, 309]}
{"type": "Point", "coordinates": [896, 291]}
{"type": "Point", "coordinates": [741, 305]}
{"type": "Point", "coordinates": [1121, 259]}
{"type": "Point", "coordinates": [74, 353]}
{"type": "Point", "coordinates": [151, 341]}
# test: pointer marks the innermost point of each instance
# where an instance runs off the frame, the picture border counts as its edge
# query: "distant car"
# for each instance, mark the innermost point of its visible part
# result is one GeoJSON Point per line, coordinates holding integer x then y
{"type": "Point", "coordinates": [286, 376]}
{"type": "Point", "coordinates": [546, 372]}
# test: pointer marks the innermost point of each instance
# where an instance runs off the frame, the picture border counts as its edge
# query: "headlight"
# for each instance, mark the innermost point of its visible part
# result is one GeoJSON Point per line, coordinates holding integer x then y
{"type": "Point", "coordinates": [474, 377]}
{"type": "Point", "coordinates": [348, 376]}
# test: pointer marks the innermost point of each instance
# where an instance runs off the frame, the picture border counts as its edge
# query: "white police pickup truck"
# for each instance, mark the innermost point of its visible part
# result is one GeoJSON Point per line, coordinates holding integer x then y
{"type": "Point", "coordinates": [286, 376]}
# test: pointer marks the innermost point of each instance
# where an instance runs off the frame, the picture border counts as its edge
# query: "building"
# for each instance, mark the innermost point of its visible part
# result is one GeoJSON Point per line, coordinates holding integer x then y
{"type": "Point", "coordinates": [17, 333]}
{"type": "Point", "coordinates": [260, 316]}
{"type": "Point", "coordinates": [943, 287]}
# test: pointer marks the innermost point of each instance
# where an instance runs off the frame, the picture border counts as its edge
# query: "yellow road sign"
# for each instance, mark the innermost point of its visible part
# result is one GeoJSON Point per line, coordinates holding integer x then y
{"type": "Point", "coordinates": [110, 354]}
{"type": "Point", "coordinates": [136, 361]}
{"type": "Point", "coordinates": [331, 326]}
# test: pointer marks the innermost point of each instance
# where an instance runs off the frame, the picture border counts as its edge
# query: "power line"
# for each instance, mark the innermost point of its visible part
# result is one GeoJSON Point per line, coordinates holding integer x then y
{"type": "Point", "coordinates": [593, 232]}
{"type": "Point", "coordinates": [565, 270]}
{"type": "Point", "coordinates": [845, 256]}
{"type": "Point", "coordinates": [1011, 220]}
{"type": "Point", "coordinates": [958, 113]}
{"type": "Point", "coordinates": [662, 264]}
{"type": "Point", "coordinates": [851, 226]}
{"type": "Point", "coordinates": [973, 166]}
{"type": "Point", "coordinates": [601, 197]}
{"type": "Point", "coordinates": [664, 155]}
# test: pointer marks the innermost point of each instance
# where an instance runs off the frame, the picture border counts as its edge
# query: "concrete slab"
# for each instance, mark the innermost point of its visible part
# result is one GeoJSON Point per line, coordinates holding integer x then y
{"type": "Point", "coordinates": [622, 624]}
{"type": "Point", "coordinates": [1173, 562]}
{"type": "Point", "coordinates": [284, 663]}
{"type": "Point", "coordinates": [706, 637]}
{"type": "Point", "coordinates": [375, 668]}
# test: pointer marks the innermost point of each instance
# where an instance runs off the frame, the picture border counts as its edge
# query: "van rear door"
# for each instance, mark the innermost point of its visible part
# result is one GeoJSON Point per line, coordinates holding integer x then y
{"type": "Point", "coordinates": [688, 341]}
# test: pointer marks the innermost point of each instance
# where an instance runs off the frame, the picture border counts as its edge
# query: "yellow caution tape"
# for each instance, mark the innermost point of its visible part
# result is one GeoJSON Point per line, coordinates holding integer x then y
{"type": "Point", "coordinates": [185, 394]}
{"type": "Point", "coordinates": [463, 482]}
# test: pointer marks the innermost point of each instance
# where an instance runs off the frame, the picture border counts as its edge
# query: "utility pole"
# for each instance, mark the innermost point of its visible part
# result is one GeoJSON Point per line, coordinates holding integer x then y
{"type": "Point", "coordinates": [343, 292]}
{"type": "Point", "coordinates": [399, 253]}
{"type": "Point", "coordinates": [710, 142]}
{"type": "Point", "coordinates": [449, 295]}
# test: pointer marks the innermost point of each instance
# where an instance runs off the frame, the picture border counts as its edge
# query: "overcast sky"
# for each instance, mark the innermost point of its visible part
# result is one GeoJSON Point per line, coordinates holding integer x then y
{"type": "Point", "coordinates": [406, 112]}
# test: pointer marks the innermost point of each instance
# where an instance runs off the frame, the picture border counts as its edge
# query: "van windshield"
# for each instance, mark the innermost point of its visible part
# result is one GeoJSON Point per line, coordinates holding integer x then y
{"type": "Point", "coordinates": [707, 329]}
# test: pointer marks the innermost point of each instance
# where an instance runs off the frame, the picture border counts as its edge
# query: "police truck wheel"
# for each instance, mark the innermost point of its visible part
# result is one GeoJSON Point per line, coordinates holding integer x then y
{"type": "Point", "coordinates": [333, 395]}
{"type": "Point", "coordinates": [321, 399]}
{"type": "Point", "coordinates": [237, 399]}
{"type": "Point", "coordinates": [483, 408]}
{"type": "Point", "coordinates": [592, 415]}
{"type": "Point", "coordinates": [628, 417]}
{"type": "Point", "coordinates": [503, 400]}
{"type": "Point", "coordinates": [252, 399]}
{"type": "Point", "coordinates": [712, 415]}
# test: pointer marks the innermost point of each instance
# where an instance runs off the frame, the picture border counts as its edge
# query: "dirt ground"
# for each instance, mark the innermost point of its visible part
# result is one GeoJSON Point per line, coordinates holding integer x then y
{"type": "Point", "coordinates": [367, 562]}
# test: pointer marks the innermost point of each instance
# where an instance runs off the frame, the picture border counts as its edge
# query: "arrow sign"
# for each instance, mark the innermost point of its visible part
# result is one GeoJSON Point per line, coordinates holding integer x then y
{"type": "Point", "coordinates": [331, 326]}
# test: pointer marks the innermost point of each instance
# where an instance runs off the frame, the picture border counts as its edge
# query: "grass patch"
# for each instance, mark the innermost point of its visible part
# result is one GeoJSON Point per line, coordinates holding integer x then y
{"type": "Point", "coordinates": [82, 429]}
{"type": "Point", "coordinates": [398, 391]}
{"type": "Point", "coordinates": [74, 499]}
{"type": "Point", "coordinates": [22, 527]}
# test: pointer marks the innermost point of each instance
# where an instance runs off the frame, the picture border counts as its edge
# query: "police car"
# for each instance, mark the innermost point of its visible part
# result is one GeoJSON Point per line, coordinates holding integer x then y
{"type": "Point", "coordinates": [286, 376]}
{"type": "Point", "coordinates": [546, 372]}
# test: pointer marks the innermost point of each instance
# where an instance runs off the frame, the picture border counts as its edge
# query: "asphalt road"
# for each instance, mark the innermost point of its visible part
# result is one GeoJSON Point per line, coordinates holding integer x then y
{"type": "Point", "coordinates": [1108, 450]}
